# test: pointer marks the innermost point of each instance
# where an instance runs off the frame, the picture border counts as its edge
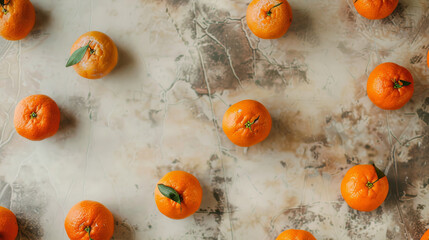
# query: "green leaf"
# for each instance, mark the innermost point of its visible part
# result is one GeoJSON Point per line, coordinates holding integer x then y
{"type": "Point", "coordinates": [405, 83]}
{"type": "Point", "coordinates": [396, 84]}
{"type": "Point", "coordinates": [77, 55]}
{"type": "Point", "coordinates": [169, 193]}
{"type": "Point", "coordinates": [380, 173]}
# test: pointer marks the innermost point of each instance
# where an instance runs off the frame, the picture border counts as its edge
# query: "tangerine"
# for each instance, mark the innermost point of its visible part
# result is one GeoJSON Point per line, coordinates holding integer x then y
{"type": "Point", "coordinates": [247, 123]}
{"type": "Point", "coordinates": [37, 117]}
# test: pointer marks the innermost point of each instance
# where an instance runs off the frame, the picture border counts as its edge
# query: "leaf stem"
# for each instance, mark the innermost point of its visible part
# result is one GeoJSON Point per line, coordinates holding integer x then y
{"type": "Point", "coordinates": [88, 230]}
{"type": "Point", "coordinates": [3, 4]}
{"type": "Point", "coordinates": [371, 184]}
{"type": "Point", "coordinates": [269, 11]}
{"type": "Point", "coordinates": [91, 50]}
{"type": "Point", "coordinates": [33, 115]}
{"type": "Point", "coordinates": [249, 124]}
{"type": "Point", "coordinates": [380, 175]}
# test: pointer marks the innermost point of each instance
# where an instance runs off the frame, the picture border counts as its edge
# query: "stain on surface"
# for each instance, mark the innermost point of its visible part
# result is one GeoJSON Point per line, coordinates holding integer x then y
{"type": "Point", "coordinates": [28, 211]}
{"type": "Point", "coordinates": [123, 230]}
{"type": "Point", "coordinates": [423, 112]}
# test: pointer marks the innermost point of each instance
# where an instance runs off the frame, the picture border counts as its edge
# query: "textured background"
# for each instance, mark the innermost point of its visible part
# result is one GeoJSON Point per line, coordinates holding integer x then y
{"type": "Point", "coordinates": [181, 64]}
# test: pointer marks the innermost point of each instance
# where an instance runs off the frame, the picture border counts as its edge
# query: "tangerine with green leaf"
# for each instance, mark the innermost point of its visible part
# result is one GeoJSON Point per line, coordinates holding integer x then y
{"type": "Point", "coordinates": [178, 194]}
{"type": "Point", "coordinates": [93, 55]}
{"type": "Point", "coordinates": [37, 117]}
{"type": "Point", "coordinates": [247, 123]}
{"type": "Point", "coordinates": [89, 220]}
{"type": "Point", "coordinates": [269, 19]}
{"type": "Point", "coordinates": [8, 224]}
{"type": "Point", "coordinates": [375, 9]}
{"type": "Point", "coordinates": [364, 187]}
{"type": "Point", "coordinates": [17, 18]}
{"type": "Point", "coordinates": [295, 234]}
{"type": "Point", "coordinates": [390, 86]}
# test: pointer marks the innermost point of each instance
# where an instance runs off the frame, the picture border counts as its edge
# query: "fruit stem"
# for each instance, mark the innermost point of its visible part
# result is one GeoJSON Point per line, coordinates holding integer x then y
{"type": "Point", "coordinates": [33, 115]}
{"type": "Point", "coordinates": [396, 84]}
{"type": "Point", "coordinates": [88, 230]}
{"type": "Point", "coordinates": [269, 11]}
{"type": "Point", "coordinates": [249, 124]}
{"type": "Point", "coordinates": [371, 184]}
{"type": "Point", "coordinates": [91, 51]}
{"type": "Point", "coordinates": [2, 3]}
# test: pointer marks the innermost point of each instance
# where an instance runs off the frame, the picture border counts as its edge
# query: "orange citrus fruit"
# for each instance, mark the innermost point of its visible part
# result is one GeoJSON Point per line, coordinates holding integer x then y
{"type": "Point", "coordinates": [178, 194]}
{"type": "Point", "coordinates": [269, 19]}
{"type": "Point", "coordinates": [100, 58]}
{"type": "Point", "coordinates": [8, 224]}
{"type": "Point", "coordinates": [89, 220]}
{"type": "Point", "coordinates": [364, 187]}
{"type": "Point", "coordinates": [37, 117]}
{"type": "Point", "coordinates": [390, 86]}
{"type": "Point", "coordinates": [17, 18]}
{"type": "Point", "coordinates": [294, 234]}
{"type": "Point", "coordinates": [247, 123]}
{"type": "Point", "coordinates": [375, 9]}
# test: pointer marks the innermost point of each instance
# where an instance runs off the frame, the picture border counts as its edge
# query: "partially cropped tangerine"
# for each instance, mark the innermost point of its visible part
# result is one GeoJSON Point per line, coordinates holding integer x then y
{"type": "Point", "coordinates": [295, 234]}
{"type": "Point", "coordinates": [37, 117]}
{"type": "Point", "coordinates": [269, 19]}
{"type": "Point", "coordinates": [364, 187]}
{"type": "Point", "coordinates": [8, 224]}
{"type": "Point", "coordinates": [178, 194]}
{"type": "Point", "coordinates": [390, 86]}
{"type": "Point", "coordinates": [375, 9]}
{"type": "Point", "coordinates": [17, 18]}
{"type": "Point", "coordinates": [89, 220]}
{"type": "Point", "coordinates": [247, 123]}
{"type": "Point", "coordinates": [100, 55]}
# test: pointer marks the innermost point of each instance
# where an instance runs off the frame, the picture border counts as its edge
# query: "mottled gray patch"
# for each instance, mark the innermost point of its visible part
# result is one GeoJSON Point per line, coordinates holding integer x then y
{"type": "Point", "coordinates": [403, 183]}
{"type": "Point", "coordinates": [155, 116]}
{"type": "Point", "coordinates": [423, 111]}
{"type": "Point", "coordinates": [416, 59]}
{"type": "Point", "coordinates": [315, 151]}
{"type": "Point", "coordinates": [28, 204]}
{"type": "Point", "coordinates": [352, 159]}
{"type": "Point", "coordinates": [177, 3]}
{"type": "Point", "coordinates": [5, 194]}
{"type": "Point", "coordinates": [303, 26]}
{"type": "Point", "coordinates": [123, 230]}
{"type": "Point", "coordinates": [272, 74]}
{"type": "Point", "coordinates": [302, 217]}
{"type": "Point", "coordinates": [345, 114]}
{"type": "Point", "coordinates": [215, 206]}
